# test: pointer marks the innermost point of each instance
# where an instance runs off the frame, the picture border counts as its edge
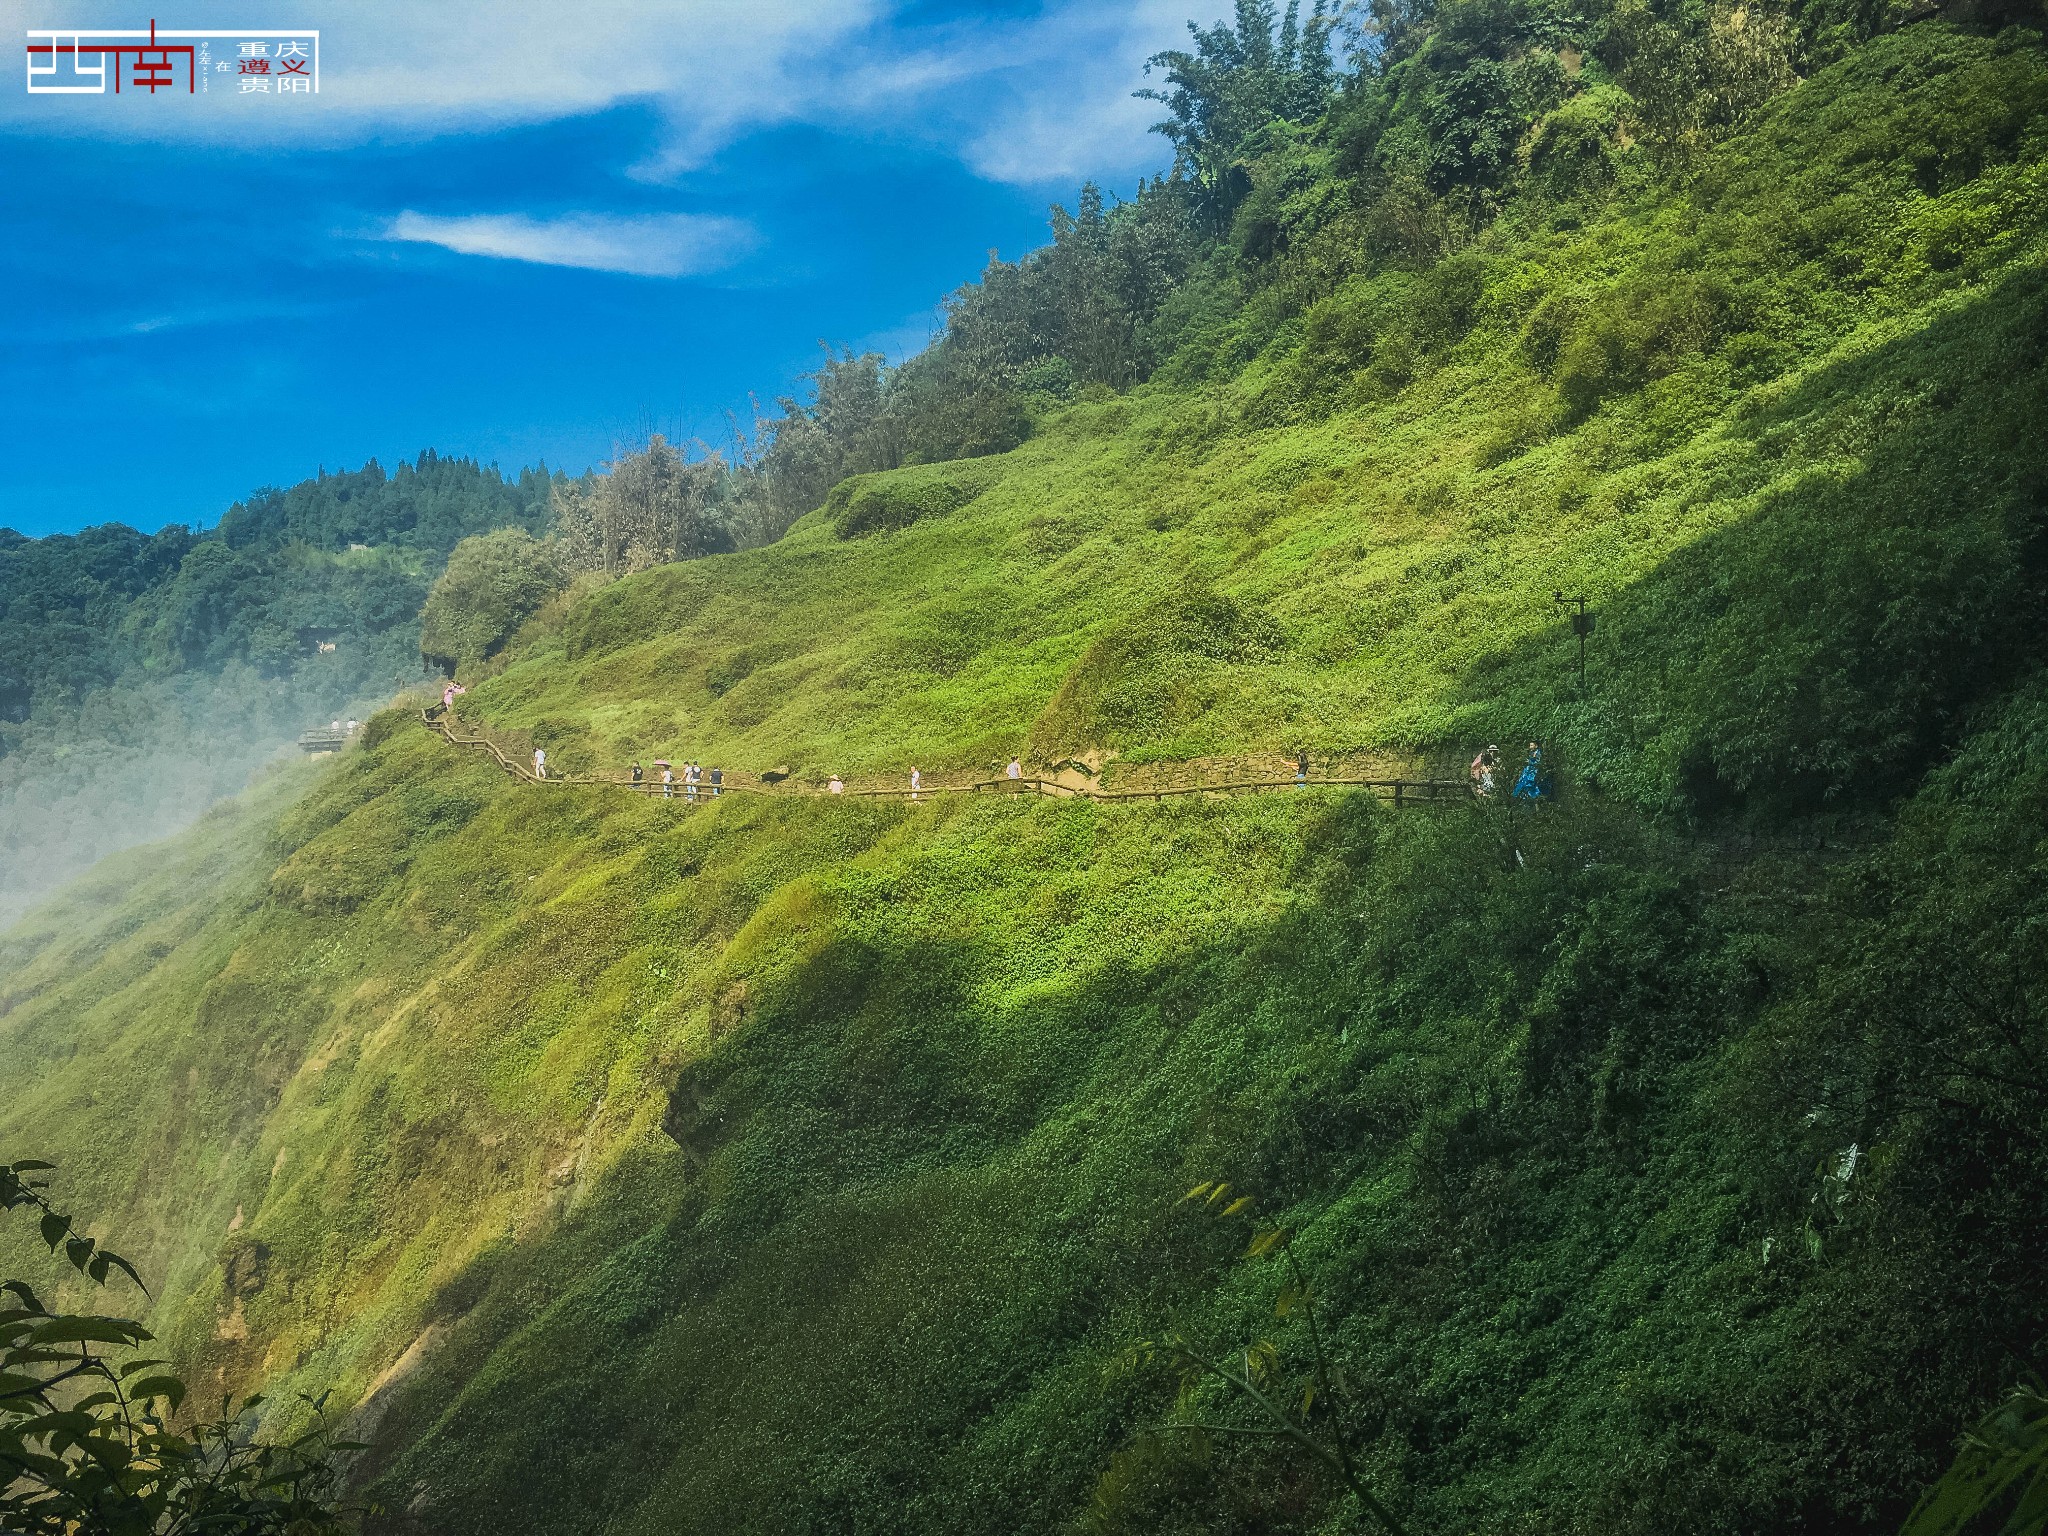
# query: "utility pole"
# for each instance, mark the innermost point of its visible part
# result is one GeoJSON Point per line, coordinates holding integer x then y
{"type": "Point", "coordinates": [1582, 625]}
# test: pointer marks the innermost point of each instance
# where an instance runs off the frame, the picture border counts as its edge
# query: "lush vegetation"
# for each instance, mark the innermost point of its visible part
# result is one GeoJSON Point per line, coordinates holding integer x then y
{"type": "Point", "coordinates": [1672, 1156]}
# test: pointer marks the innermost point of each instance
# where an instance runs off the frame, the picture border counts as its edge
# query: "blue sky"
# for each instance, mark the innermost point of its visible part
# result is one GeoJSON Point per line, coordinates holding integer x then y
{"type": "Point", "coordinates": [498, 233]}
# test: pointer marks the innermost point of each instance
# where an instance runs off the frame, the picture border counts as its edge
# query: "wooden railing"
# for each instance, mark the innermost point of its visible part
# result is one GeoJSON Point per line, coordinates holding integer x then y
{"type": "Point", "coordinates": [1400, 791]}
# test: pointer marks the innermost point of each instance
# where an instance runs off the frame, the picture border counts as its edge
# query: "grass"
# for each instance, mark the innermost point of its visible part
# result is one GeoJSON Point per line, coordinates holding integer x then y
{"type": "Point", "coordinates": [799, 1166]}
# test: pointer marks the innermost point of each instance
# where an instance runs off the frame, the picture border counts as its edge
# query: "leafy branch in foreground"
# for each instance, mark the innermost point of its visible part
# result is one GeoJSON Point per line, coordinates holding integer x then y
{"type": "Point", "coordinates": [1315, 1422]}
{"type": "Point", "coordinates": [87, 1443]}
{"type": "Point", "coordinates": [2003, 1466]}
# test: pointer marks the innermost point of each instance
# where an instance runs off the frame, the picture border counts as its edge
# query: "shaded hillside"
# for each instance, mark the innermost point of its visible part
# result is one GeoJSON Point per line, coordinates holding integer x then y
{"type": "Point", "coordinates": [1666, 1157]}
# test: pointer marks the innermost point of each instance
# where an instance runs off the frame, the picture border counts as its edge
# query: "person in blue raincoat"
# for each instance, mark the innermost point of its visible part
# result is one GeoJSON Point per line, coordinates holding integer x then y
{"type": "Point", "coordinates": [1529, 782]}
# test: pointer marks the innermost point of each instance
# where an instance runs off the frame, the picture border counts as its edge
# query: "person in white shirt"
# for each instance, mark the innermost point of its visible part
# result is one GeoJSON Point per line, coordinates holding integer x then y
{"type": "Point", "coordinates": [1016, 769]}
{"type": "Point", "coordinates": [916, 783]}
{"type": "Point", "coordinates": [540, 763]}
{"type": "Point", "coordinates": [835, 786]}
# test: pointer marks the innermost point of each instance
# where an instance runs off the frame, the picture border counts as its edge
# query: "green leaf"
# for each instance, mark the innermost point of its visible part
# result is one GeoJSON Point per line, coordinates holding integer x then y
{"type": "Point", "coordinates": [30, 1165]}
{"type": "Point", "coordinates": [1198, 1191]}
{"type": "Point", "coordinates": [54, 1227]}
{"type": "Point", "coordinates": [89, 1330]}
{"type": "Point", "coordinates": [15, 1385]}
{"type": "Point", "coordinates": [165, 1386]}
{"type": "Point", "coordinates": [79, 1251]}
{"type": "Point", "coordinates": [1241, 1203]}
{"type": "Point", "coordinates": [2007, 1449]}
{"type": "Point", "coordinates": [1261, 1361]}
{"type": "Point", "coordinates": [27, 1296]}
{"type": "Point", "coordinates": [125, 1267]}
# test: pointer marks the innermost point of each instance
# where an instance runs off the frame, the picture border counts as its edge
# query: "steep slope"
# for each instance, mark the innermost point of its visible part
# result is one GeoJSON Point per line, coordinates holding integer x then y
{"type": "Point", "coordinates": [1384, 574]}
{"type": "Point", "coordinates": [794, 1166]}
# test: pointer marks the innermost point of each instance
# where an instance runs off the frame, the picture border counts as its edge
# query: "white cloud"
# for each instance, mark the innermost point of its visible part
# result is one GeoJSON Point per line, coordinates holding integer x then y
{"type": "Point", "coordinates": [403, 67]}
{"type": "Point", "coordinates": [1039, 98]}
{"type": "Point", "coordinates": [654, 245]}
{"type": "Point", "coordinates": [1073, 114]}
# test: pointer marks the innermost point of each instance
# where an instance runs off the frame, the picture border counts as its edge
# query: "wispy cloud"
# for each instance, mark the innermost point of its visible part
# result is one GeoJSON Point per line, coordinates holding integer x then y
{"type": "Point", "coordinates": [652, 245]}
{"type": "Point", "coordinates": [1090, 124]}
{"type": "Point", "coordinates": [399, 67]}
{"type": "Point", "coordinates": [1026, 98]}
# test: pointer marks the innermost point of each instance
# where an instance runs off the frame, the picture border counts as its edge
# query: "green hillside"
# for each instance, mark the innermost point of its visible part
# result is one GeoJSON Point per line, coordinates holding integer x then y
{"type": "Point", "coordinates": [1668, 1156]}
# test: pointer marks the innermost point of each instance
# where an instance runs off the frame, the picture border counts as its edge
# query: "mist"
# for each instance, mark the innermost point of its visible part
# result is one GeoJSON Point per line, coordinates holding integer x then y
{"type": "Point", "coordinates": [144, 759]}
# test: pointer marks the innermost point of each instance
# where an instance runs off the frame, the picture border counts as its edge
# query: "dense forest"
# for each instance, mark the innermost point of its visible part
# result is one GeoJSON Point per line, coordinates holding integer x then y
{"type": "Point", "coordinates": [1666, 1153]}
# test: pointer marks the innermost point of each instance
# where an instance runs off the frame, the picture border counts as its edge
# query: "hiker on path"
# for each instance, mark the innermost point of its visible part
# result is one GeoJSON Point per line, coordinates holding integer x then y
{"type": "Point", "coordinates": [1016, 769]}
{"type": "Point", "coordinates": [540, 763]}
{"type": "Point", "coordinates": [1301, 766]}
{"type": "Point", "coordinates": [835, 787]}
{"type": "Point", "coordinates": [916, 783]}
{"type": "Point", "coordinates": [1528, 783]}
{"type": "Point", "coordinates": [1483, 769]}
{"type": "Point", "coordinates": [690, 772]}
{"type": "Point", "coordinates": [449, 695]}
{"type": "Point", "coordinates": [352, 727]}
{"type": "Point", "coordinates": [636, 775]}
{"type": "Point", "coordinates": [717, 782]}
{"type": "Point", "coordinates": [668, 782]}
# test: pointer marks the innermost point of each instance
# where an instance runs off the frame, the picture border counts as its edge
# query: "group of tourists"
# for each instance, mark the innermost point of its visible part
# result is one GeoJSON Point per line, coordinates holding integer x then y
{"type": "Point", "coordinates": [696, 778]}
{"type": "Point", "coordinates": [1487, 772]}
{"type": "Point", "coordinates": [711, 781]}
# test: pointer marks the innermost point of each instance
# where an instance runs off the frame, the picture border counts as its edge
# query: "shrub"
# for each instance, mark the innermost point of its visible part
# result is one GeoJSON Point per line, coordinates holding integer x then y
{"type": "Point", "coordinates": [494, 583]}
{"type": "Point", "coordinates": [881, 503]}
